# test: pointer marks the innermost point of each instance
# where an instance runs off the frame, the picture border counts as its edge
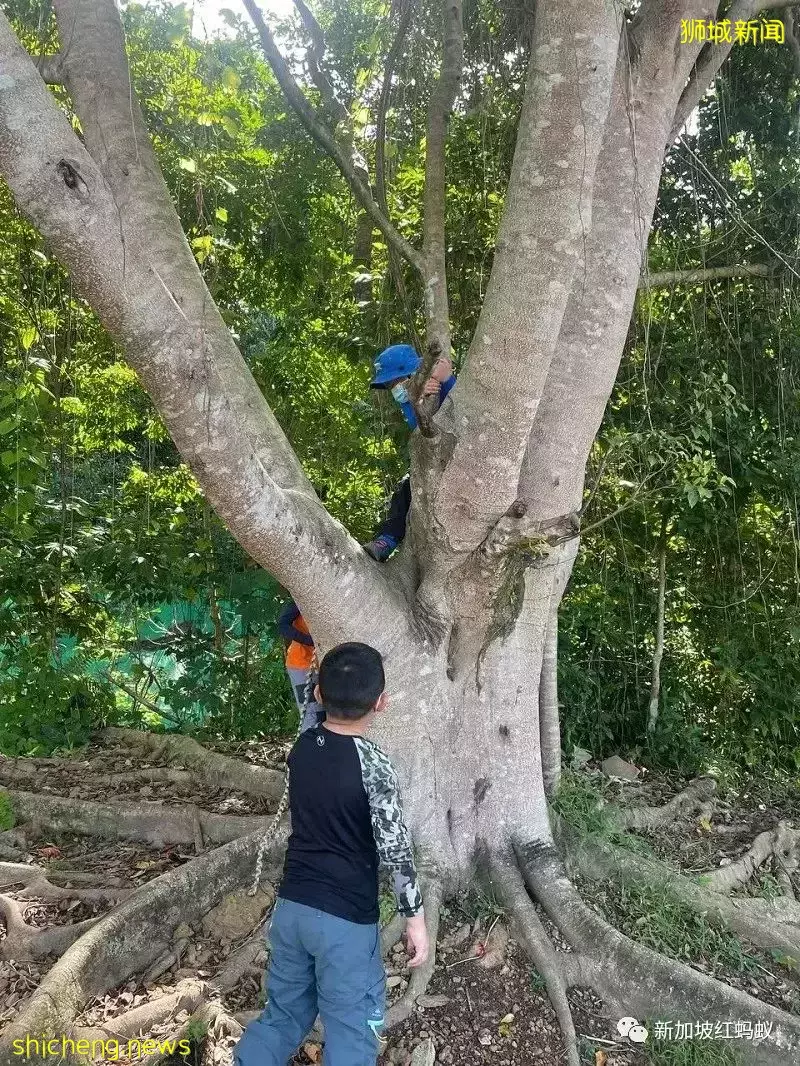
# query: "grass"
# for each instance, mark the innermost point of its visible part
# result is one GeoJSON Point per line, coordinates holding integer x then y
{"type": "Point", "coordinates": [585, 809]}
{"type": "Point", "coordinates": [6, 812]}
{"type": "Point", "coordinates": [652, 915]}
{"type": "Point", "coordinates": [691, 1053]}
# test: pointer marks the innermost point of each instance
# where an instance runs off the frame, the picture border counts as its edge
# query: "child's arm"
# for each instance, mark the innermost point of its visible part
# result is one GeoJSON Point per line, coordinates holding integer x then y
{"type": "Point", "coordinates": [392, 838]}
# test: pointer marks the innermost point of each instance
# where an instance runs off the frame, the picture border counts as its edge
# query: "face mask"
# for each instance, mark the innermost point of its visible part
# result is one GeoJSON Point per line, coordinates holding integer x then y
{"type": "Point", "coordinates": [400, 393]}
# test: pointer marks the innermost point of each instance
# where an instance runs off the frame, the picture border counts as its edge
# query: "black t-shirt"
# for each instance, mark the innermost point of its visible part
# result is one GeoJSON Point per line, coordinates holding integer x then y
{"type": "Point", "coordinates": [346, 819]}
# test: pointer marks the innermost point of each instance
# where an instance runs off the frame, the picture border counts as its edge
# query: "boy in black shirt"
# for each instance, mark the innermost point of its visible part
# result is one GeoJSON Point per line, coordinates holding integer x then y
{"type": "Point", "coordinates": [324, 935]}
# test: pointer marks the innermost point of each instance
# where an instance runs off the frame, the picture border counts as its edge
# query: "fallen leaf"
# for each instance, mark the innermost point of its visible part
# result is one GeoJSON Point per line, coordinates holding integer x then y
{"type": "Point", "coordinates": [706, 824]}
{"type": "Point", "coordinates": [600, 1058]}
{"type": "Point", "coordinates": [505, 1025]}
{"type": "Point", "coordinates": [50, 852]}
{"type": "Point", "coordinates": [313, 1052]}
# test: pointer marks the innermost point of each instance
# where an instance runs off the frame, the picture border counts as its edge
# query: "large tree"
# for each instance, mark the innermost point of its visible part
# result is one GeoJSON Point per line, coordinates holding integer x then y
{"type": "Point", "coordinates": [466, 616]}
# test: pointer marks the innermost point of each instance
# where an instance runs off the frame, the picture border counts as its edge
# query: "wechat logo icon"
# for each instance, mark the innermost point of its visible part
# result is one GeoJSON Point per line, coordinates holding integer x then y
{"type": "Point", "coordinates": [630, 1027]}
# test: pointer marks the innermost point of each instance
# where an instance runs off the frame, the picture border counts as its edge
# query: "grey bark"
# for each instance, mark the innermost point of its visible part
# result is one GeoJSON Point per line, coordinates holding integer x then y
{"type": "Point", "coordinates": [434, 240]}
{"type": "Point", "coordinates": [658, 648]}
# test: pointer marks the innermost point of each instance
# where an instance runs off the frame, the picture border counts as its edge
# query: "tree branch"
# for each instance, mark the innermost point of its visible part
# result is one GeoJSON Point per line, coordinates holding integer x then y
{"type": "Point", "coordinates": [711, 59]}
{"type": "Point", "coordinates": [666, 278]}
{"type": "Point", "coordinates": [547, 211]}
{"type": "Point", "coordinates": [793, 40]}
{"type": "Point", "coordinates": [595, 324]}
{"type": "Point", "coordinates": [177, 341]}
{"type": "Point", "coordinates": [51, 69]}
{"type": "Point", "coordinates": [395, 51]}
{"type": "Point", "coordinates": [433, 240]}
{"type": "Point", "coordinates": [325, 139]}
{"type": "Point", "coordinates": [314, 56]}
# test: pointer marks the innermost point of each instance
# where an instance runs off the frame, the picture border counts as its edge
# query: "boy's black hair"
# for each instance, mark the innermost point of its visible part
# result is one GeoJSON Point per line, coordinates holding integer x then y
{"type": "Point", "coordinates": [351, 679]}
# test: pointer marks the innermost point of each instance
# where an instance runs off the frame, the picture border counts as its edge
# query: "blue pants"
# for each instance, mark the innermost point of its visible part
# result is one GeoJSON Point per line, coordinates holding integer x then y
{"type": "Point", "coordinates": [318, 964]}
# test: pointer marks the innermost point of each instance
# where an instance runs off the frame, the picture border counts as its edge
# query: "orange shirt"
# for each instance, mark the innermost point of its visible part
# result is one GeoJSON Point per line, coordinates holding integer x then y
{"type": "Point", "coordinates": [299, 656]}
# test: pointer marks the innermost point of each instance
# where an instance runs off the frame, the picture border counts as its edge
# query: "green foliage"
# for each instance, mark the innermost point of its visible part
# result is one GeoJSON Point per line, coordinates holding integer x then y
{"type": "Point", "coordinates": [584, 808]}
{"type": "Point", "coordinates": [690, 1053]}
{"type": "Point", "coordinates": [654, 916]}
{"type": "Point", "coordinates": [101, 525]}
{"type": "Point", "coordinates": [6, 812]}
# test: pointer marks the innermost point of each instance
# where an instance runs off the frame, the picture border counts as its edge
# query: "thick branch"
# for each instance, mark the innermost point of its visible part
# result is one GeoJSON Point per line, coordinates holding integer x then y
{"type": "Point", "coordinates": [434, 240]}
{"type": "Point", "coordinates": [51, 69]}
{"type": "Point", "coordinates": [547, 212]}
{"type": "Point", "coordinates": [160, 311]}
{"type": "Point", "coordinates": [595, 324]}
{"type": "Point", "coordinates": [325, 139]}
{"type": "Point", "coordinates": [710, 61]}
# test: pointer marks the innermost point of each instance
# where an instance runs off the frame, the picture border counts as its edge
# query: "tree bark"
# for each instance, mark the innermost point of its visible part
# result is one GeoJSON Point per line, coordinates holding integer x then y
{"type": "Point", "coordinates": [658, 649]}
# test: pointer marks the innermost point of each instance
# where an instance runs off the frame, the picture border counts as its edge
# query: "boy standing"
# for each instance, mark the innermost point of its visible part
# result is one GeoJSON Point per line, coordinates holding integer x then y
{"type": "Point", "coordinates": [324, 935]}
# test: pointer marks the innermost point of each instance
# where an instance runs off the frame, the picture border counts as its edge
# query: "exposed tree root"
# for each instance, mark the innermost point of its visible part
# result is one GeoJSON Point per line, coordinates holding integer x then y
{"type": "Point", "coordinates": [210, 1018]}
{"type": "Point", "coordinates": [757, 924]}
{"type": "Point", "coordinates": [39, 886]}
{"type": "Point", "coordinates": [153, 823]}
{"type": "Point", "coordinates": [249, 957]}
{"type": "Point", "coordinates": [780, 843]}
{"type": "Point", "coordinates": [507, 879]}
{"type": "Point", "coordinates": [215, 770]}
{"type": "Point", "coordinates": [693, 798]}
{"type": "Point", "coordinates": [141, 1020]}
{"type": "Point", "coordinates": [23, 942]}
{"type": "Point", "coordinates": [432, 892]}
{"type": "Point", "coordinates": [130, 937]}
{"type": "Point", "coordinates": [391, 933]}
{"type": "Point", "coordinates": [24, 771]}
{"type": "Point", "coordinates": [640, 982]}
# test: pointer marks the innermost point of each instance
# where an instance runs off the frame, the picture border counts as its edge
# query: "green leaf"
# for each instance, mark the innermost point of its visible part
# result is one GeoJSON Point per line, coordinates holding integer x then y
{"type": "Point", "coordinates": [188, 164]}
{"type": "Point", "coordinates": [231, 125]}
{"type": "Point", "coordinates": [230, 79]}
{"type": "Point", "coordinates": [204, 119]}
{"type": "Point", "coordinates": [28, 337]}
{"type": "Point", "coordinates": [221, 214]}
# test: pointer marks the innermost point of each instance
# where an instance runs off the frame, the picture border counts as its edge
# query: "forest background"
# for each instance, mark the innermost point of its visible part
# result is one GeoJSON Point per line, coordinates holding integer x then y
{"type": "Point", "coordinates": [123, 598]}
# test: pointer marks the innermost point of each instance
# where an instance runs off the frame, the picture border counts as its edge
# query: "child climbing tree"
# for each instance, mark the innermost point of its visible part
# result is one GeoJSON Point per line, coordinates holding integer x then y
{"type": "Point", "coordinates": [466, 618]}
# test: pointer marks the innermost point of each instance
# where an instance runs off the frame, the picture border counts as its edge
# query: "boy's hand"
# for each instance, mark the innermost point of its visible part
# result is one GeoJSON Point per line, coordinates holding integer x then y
{"type": "Point", "coordinates": [442, 369]}
{"type": "Point", "coordinates": [417, 940]}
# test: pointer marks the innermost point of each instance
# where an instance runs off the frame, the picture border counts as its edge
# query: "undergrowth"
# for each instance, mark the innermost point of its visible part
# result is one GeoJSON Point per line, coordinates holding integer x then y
{"type": "Point", "coordinates": [654, 916]}
{"type": "Point", "coordinates": [691, 1053]}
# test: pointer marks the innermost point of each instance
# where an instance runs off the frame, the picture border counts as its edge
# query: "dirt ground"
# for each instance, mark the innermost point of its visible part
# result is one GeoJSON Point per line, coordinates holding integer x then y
{"type": "Point", "coordinates": [471, 1014]}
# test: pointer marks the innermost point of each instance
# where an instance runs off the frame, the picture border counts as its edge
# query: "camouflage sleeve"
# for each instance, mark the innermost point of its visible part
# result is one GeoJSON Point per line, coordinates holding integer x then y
{"type": "Point", "coordinates": [392, 838]}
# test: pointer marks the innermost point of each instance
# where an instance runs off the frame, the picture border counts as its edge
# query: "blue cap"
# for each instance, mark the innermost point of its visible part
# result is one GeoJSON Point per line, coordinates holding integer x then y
{"type": "Point", "coordinates": [393, 364]}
